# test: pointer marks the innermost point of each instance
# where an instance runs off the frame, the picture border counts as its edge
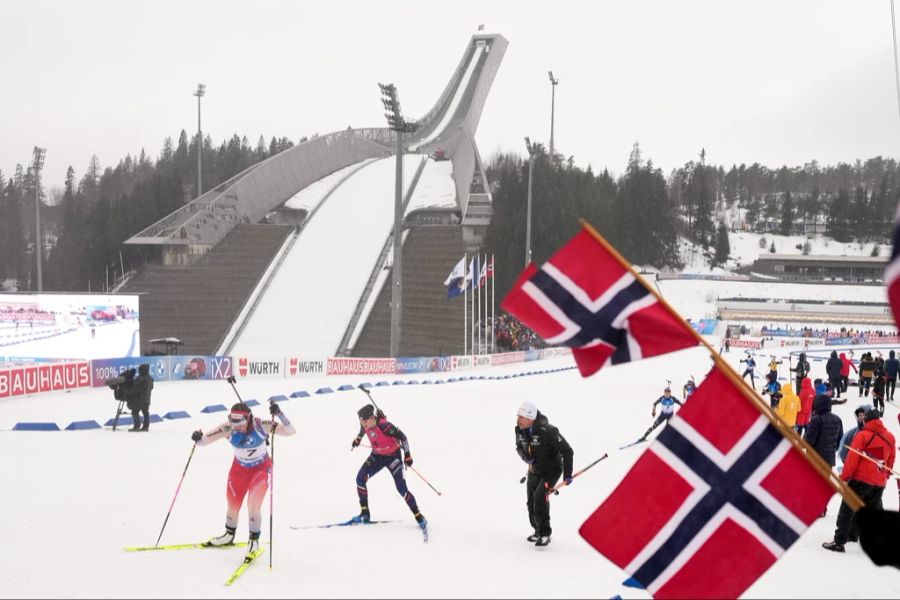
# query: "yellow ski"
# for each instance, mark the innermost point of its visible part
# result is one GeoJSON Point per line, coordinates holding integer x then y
{"type": "Point", "coordinates": [247, 562]}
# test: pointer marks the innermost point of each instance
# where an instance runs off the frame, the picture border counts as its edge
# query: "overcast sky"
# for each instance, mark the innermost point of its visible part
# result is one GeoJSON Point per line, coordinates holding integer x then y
{"type": "Point", "coordinates": [771, 81]}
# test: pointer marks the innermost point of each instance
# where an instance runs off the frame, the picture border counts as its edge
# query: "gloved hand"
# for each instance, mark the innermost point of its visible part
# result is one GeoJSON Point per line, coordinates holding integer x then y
{"type": "Point", "coordinates": [568, 480]}
{"type": "Point", "coordinates": [197, 435]}
{"type": "Point", "coordinates": [408, 460]}
{"type": "Point", "coordinates": [355, 443]}
{"type": "Point", "coordinates": [653, 414]}
{"type": "Point", "coordinates": [274, 409]}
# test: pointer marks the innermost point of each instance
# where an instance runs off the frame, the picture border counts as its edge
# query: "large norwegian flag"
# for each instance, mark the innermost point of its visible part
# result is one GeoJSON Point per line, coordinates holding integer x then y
{"type": "Point", "coordinates": [892, 274]}
{"type": "Point", "coordinates": [588, 298]}
{"type": "Point", "coordinates": [715, 500]}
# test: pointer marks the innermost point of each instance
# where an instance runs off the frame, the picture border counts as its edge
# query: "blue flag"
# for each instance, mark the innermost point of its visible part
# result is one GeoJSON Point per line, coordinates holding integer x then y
{"type": "Point", "coordinates": [456, 280]}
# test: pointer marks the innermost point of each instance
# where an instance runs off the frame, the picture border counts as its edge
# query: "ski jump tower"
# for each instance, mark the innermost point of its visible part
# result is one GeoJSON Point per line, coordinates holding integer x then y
{"type": "Point", "coordinates": [447, 129]}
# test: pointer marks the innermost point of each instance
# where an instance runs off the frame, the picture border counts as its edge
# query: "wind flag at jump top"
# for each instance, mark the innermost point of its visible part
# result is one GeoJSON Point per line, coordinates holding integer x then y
{"type": "Point", "coordinates": [456, 280]}
{"type": "Point", "coordinates": [589, 298]}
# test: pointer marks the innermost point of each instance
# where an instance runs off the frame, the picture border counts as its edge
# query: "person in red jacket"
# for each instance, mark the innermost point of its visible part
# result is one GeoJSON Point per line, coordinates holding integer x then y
{"type": "Point", "coordinates": [807, 394]}
{"type": "Point", "coordinates": [866, 472]}
{"type": "Point", "coordinates": [846, 365]}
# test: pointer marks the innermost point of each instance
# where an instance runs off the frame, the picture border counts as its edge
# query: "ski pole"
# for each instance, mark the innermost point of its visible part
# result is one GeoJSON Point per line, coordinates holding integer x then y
{"type": "Point", "coordinates": [425, 480]}
{"type": "Point", "coordinates": [369, 394]}
{"type": "Point", "coordinates": [272, 493]}
{"type": "Point", "coordinates": [555, 489]}
{"type": "Point", "coordinates": [231, 380]}
{"type": "Point", "coordinates": [178, 489]}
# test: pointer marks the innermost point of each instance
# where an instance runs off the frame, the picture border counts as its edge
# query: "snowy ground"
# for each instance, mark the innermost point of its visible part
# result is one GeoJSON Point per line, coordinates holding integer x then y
{"type": "Point", "coordinates": [695, 299]}
{"type": "Point", "coordinates": [745, 248]}
{"type": "Point", "coordinates": [82, 496]}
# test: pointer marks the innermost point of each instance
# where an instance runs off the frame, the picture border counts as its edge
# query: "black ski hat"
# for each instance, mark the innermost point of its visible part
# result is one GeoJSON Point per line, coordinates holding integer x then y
{"type": "Point", "coordinates": [872, 414]}
{"type": "Point", "coordinates": [366, 412]}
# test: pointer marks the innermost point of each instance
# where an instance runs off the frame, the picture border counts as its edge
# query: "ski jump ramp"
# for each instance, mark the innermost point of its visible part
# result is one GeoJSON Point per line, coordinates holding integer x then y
{"type": "Point", "coordinates": [338, 245]}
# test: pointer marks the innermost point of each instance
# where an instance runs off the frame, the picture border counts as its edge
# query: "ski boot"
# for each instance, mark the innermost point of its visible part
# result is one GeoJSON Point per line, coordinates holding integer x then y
{"type": "Point", "coordinates": [226, 539]}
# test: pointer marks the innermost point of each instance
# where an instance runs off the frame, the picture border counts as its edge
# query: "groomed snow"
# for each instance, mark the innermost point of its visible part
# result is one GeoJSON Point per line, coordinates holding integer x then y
{"type": "Point", "coordinates": [75, 499]}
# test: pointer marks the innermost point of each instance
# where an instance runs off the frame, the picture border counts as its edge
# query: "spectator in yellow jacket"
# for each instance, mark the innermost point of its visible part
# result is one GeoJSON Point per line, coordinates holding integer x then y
{"type": "Point", "coordinates": [789, 405]}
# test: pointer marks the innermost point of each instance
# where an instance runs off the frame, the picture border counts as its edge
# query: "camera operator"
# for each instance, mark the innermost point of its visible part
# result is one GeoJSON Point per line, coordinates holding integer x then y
{"type": "Point", "coordinates": [139, 398]}
{"type": "Point", "coordinates": [121, 387]}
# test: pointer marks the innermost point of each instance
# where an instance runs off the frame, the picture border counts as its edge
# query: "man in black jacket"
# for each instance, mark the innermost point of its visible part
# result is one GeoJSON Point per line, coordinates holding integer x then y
{"type": "Point", "coordinates": [833, 369]}
{"type": "Point", "coordinates": [140, 398]}
{"type": "Point", "coordinates": [802, 370]}
{"type": "Point", "coordinates": [825, 430]}
{"type": "Point", "coordinates": [549, 456]}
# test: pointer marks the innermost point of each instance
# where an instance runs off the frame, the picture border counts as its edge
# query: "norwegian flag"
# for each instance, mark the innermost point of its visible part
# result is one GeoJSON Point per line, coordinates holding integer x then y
{"type": "Point", "coordinates": [715, 500]}
{"type": "Point", "coordinates": [487, 271]}
{"type": "Point", "coordinates": [585, 298]}
{"type": "Point", "coordinates": [892, 274]}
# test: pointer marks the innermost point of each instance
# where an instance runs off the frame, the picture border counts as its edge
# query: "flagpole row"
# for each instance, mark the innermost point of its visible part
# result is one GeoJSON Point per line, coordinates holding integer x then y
{"type": "Point", "coordinates": [807, 451]}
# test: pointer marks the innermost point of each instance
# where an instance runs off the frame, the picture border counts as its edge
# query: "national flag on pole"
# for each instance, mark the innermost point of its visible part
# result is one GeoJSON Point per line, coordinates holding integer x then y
{"type": "Point", "coordinates": [892, 274]}
{"type": "Point", "coordinates": [587, 297]}
{"type": "Point", "coordinates": [715, 500]}
{"type": "Point", "coordinates": [474, 269]}
{"type": "Point", "coordinates": [456, 280]}
{"type": "Point", "coordinates": [487, 271]}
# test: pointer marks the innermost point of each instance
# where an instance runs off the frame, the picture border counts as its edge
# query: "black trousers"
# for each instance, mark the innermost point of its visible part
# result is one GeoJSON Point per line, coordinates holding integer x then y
{"type": "Point", "coordinates": [889, 387]}
{"type": "Point", "coordinates": [138, 409]}
{"type": "Point", "coordinates": [538, 506]}
{"type": "Point", "coordinates": [836, 385]}
{"type": "Point", "coordinates": [846, 519]}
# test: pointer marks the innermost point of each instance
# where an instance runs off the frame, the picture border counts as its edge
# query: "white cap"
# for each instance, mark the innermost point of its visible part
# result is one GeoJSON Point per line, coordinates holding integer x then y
{"type": "Point", "coordinates": [527, 410]}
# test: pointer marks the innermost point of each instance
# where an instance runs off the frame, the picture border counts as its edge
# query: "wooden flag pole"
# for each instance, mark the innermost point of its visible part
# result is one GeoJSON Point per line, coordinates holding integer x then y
{"type": "Point", "coordinates": [807, 451]}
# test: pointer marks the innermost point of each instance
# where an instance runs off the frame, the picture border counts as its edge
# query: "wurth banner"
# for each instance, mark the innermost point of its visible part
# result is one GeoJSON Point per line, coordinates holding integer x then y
{"type": "Point", "coordinates": [249, 367]}
{"type": "Point", "coordinates": [715, 500]}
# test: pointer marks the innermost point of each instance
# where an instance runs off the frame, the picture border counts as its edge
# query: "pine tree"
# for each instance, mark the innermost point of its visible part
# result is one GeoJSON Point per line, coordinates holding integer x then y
{"type": "Point", "coordinates": [839, 214]}
{"type": "Point", "coordinates": [787, 214]}
{"type": "Point", "coordinates": [723, 247]}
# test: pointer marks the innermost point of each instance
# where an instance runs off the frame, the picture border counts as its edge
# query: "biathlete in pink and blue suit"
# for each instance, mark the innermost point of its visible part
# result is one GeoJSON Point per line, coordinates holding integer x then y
{"type": "Point", "coordinates": [387, 441]}
{"type": "Point", "coordinates": [249, 474]}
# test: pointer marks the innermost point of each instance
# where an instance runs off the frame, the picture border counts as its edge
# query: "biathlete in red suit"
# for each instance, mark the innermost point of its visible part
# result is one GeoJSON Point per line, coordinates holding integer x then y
{"type": "Point", "coordinates": [249, 474]}
{"type": "Point", "coordinates": [387, 441]}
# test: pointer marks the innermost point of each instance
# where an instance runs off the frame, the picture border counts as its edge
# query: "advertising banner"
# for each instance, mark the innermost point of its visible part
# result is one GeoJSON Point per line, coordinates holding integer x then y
{"type": "Point", "coordinates": [745, 343]}
{"type": "Point", "coordinates": [249, 367]}
{"type": "Point", "coordinates": [361, 366]}
{"type": "Point", "coordinates": [507, 358]}
{"type": "Point", "coordinates": [200, 367]}
{"type": "Point", "coordinates": [36, 379]}
{"type": "Point", "coordinates": [300, 366]}
{"type": "Point", "coordinates": [109, 368]}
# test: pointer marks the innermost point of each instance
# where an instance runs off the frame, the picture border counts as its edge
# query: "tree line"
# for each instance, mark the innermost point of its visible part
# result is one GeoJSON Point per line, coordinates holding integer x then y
{"type": "Point", "coordinates": [83, 230]}
{"type": "Point", "coordinates": [644, 213]}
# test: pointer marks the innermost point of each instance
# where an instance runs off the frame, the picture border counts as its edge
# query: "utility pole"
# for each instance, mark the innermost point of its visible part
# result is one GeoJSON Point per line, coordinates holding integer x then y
{"type": "Point", "coordinates": [528, 211]}
{"type": "Point", "coordinates": [400, 126]}
{"type": "Point", "coordinates": [37, 165]}
{"type": "Point", "coordinates": [201, 91]}
{"type": "Point", "coordinates": [553, 83]}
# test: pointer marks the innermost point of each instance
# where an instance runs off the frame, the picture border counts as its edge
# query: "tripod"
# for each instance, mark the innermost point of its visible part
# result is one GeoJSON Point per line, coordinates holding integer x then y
{"type": "Point", "coordinates": [119, 412]}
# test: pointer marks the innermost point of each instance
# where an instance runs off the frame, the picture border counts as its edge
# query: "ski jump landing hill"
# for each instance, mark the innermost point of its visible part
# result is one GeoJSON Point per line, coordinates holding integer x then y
{"type": "Point", "coordinates": [315, 283]}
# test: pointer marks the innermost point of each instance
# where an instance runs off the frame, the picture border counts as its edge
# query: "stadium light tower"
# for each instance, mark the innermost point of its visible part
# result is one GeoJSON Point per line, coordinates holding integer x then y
{"type": "Point", "coordinates": [201, 91]}
{"type": "Point", "coordinates": [553, 82]}
{"type": "Point", "coordinates": [400, 126]}
{"type": "Point", "coordinates": [528, 212]}
{"type": "Point", "coordinates": [37, 165]}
